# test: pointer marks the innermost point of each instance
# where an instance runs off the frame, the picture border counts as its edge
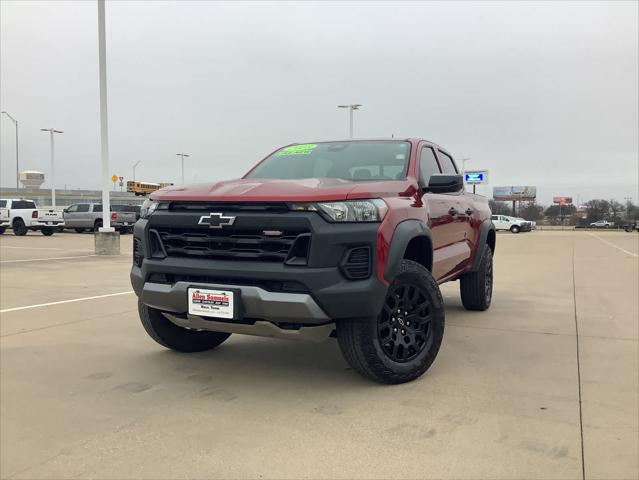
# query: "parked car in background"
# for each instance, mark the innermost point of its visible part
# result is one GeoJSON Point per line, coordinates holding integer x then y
{"type": "Point", "coordinates": [5, 220]}
{"type": "Point", "coordinates": [515, 225]}
{"type": "Point", "coordinates": [88, 216]}
{"type": "Point", "coordinates": [601, 224]}
{"type": "Point", "coordinates": [24, 215]}
{"type": "Point", "coordinates": [630, 227]}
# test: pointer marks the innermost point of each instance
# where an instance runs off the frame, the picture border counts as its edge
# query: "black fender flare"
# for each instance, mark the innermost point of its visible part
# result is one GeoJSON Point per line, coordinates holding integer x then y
{"type": "Point", "coordinates": [486, 227]}
{"type": "Point", "coordinates": [403, 234]}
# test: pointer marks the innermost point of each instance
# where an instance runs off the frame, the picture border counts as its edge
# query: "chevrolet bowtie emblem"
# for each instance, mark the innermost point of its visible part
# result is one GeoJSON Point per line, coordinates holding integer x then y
{"type": "Point", "coordinates": [216, 220]}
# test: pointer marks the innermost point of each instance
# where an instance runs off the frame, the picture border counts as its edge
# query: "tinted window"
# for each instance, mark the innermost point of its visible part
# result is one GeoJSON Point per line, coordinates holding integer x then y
{"type": "Point", "coordinates": [72, 209]}
{"type": "Point", "coordinates": [495, 217]}
{"type": "Point", "coordinates": [448, 166]}
{"type": "Point", "coordinates": [83, 207]}
{"type": "Point", "coordinates": [428, 164]}
{"type": "Point", "coordinates": [356, 161]}
{"type": "Point", "coordinates": [3, 203]}
{"type": "Point", "coordinates": [22, 204]}
{"type": "Point", "coordinates": [97, 208]}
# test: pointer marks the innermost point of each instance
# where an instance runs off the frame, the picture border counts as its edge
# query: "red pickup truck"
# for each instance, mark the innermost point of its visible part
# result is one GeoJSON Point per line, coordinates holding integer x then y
{"type": "Point", "coordinates": [344, 238]}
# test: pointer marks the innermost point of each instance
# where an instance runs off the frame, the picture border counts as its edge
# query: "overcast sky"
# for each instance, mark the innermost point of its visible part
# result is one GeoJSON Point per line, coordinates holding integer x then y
{"type": "Point", "coordinates": [541, 94]}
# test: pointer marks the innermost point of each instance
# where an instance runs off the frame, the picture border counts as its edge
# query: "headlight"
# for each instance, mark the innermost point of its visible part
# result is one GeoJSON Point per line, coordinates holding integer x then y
{"type": "Point", "coordinates": [148, 207]}
{"type": "Point", "coordinates": [372, 210]}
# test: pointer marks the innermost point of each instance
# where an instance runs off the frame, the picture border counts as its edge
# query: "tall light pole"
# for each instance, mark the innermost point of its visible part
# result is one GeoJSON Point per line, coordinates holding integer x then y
{"type": "Point", "coordinates": [351, 108]}
{"type": "Point", "coordinates": [134, 166]}
{"type": "Point", "coordinates": [51, 132]}
{"type": "Point", "coordinates": [15, 123]}
{"type": "Point", "coordinates": [183, 155]}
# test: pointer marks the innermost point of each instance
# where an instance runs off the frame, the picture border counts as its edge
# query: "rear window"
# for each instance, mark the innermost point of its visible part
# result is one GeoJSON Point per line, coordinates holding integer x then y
{"type": "Point", "coordinates": [23, 204]}
{"type": "Point", "coordinates": [356, 161]}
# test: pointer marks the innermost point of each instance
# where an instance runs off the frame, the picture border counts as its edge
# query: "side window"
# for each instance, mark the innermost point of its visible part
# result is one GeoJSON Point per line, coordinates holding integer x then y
{"type": "Point", "coordinates": [97, 208]}
{"type": "Point", "coordinates": [494, 217]}
{"type": "Point", "coordinates": [83, 207]}
{"type": "Point", "coordinates": [448, 166]}
{"type": "Point", "coordinates": [3, 203]}
{"type": "Point", "coordinates": [427, 164]}
{"type": "Point", "coordinates": [72, 209]}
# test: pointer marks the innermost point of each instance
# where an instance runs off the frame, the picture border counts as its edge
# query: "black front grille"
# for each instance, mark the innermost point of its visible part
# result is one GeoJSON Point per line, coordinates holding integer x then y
{"type": "Point", "coordinates": [357, 263]}
{"type": "Point", "coordinates": [233, 244]}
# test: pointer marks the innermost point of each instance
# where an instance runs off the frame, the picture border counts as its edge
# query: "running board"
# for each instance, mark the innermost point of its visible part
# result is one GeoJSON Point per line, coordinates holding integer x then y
{"type": "Point", "coordinates": [316, 333]}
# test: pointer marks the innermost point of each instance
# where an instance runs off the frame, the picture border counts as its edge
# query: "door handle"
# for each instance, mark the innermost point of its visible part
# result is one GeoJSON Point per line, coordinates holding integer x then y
{"type": "Point", "coordinates": [469, 211]}
{"type": "Point", "coordinates": [453, 211]}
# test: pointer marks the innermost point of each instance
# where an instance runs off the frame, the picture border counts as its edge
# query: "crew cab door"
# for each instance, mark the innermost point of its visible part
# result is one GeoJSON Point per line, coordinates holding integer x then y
{"type": "Point", "coordinates": [70, 216]}
{"type": "Point", "coordinates": [449, 249]}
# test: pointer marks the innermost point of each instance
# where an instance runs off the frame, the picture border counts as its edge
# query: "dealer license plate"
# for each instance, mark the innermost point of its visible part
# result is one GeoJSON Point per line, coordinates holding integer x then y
{"type": "Point", "coordinates": [212, 303]}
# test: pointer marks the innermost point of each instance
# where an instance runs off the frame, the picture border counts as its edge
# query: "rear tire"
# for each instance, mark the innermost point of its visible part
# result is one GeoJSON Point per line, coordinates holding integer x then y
{"type": "Point", "coordinates": [19, 228]}
{"type": "Point", "coordinates": [401, 343]}
{"type": "Point", "coordinates": [515, 229]}
{"type": "Point", "coordinates": [476, 288]}
{"type": "Point", "coordinates": [2, 229]}
{"type": "Point", "coordinates": [97, 225]}
{"type": "Point", "coordinates": [47, 231]}
{"type": "Point", "coordinates": [169, 335]}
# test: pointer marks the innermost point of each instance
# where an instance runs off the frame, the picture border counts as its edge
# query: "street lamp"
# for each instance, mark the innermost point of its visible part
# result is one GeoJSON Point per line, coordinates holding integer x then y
{"type": "Point", "coordinates": [15, 123]}
{"type": "Point", "coordinates": [351, 107]}
{"type": "Point", "coordinates": [134, 166]}
{"type": "Point", "coordinates": [183, 155]}
{"type": "Point", "coordinates": [51, 132]}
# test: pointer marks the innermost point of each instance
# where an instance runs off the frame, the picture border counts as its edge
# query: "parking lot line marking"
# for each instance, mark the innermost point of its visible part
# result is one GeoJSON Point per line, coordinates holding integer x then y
{"type": "Point", "coordinates": [27, 307]}
{"type": "Point", "coordinates": [613, 245]}
{"type": "Point", "coordinates": [48, 258]}
{"type": "Point", "coordinates": [48, 248]}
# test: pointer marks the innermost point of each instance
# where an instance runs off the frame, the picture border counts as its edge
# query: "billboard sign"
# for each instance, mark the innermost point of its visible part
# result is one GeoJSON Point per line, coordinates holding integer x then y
{"type": "Point", "coordinates": [476, 177]}
{"type": "Point", "coordinates": [514, 193]}
{"type": "Point", "coordinates": [562, 200]}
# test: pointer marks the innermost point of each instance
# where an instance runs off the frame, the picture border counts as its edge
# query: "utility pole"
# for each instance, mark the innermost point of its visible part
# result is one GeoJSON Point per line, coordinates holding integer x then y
{"type": "Point", "coordinates": [15, 124]}
{"type": "Point", "coordinates": [351, 108]}
{"type": "Point", "coordinates": [51, 132]}
{"type": "Point", "coordinates": [183, 155]}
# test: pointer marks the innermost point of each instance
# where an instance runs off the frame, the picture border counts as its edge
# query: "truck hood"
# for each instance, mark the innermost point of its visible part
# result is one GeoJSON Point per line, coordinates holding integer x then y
{"type": "Point", "coordinates": [261, 190]}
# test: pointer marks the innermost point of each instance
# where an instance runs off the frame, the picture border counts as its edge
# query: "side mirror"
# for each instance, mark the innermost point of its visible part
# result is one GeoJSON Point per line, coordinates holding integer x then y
{"type": "Point", "coordinates": [444, 183]}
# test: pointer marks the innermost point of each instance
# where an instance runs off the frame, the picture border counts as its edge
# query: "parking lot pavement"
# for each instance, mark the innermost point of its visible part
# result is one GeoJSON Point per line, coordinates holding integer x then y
{"type": "Point", "coordinates": [514, 393]}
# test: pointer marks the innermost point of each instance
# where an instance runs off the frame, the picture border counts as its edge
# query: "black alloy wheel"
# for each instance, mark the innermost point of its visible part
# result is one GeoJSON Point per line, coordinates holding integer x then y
{"type": "Point", "coordinates": [404, 324]}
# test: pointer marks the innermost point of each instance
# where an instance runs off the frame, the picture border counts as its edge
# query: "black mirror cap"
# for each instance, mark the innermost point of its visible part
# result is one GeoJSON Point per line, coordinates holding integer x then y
{"type": "Point", "coordinates": [444, 183]}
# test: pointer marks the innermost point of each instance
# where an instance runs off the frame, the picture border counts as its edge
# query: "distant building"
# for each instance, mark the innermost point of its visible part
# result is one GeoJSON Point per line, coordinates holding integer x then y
{"type": "Point", "coordinates": [31, 178]}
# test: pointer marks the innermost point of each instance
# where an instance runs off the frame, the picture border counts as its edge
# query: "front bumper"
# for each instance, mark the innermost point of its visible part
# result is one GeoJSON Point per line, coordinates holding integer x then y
{"type": "Point", "coordinates": [311, 294]}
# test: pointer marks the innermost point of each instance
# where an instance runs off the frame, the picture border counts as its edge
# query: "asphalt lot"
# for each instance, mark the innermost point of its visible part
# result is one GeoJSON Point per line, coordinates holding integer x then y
{"type": "Point", "coordinates": [514, 393]}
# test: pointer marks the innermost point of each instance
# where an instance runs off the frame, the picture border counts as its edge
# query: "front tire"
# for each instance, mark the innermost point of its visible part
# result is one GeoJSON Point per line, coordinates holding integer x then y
{"type": "Point", "coordinates": [19, 228]}
{"type": "Point", "coordinates": [515, 229]}
{"type": "Point", "coordinates": [476, 288]}
{"type": "Point", "coordinates": [401, 343]}
{"type": "Point", "coordinates": [169, 335]}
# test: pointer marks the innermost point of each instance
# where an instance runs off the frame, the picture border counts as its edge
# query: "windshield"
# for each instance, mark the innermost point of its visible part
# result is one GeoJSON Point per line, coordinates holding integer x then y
{"type": "Point", "coordinates": [356, 161]}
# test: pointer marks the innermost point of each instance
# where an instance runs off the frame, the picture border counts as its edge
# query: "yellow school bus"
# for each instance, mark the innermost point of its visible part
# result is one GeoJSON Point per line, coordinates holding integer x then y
{"type": "Point", "coordinates": [144, 188]}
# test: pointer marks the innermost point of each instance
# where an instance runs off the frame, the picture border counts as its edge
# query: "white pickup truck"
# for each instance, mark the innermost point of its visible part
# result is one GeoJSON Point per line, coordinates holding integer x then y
{"type": "Point", "coordinates": [515, 225]}
{"type": "Point", "coordinates": [23, 215]}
